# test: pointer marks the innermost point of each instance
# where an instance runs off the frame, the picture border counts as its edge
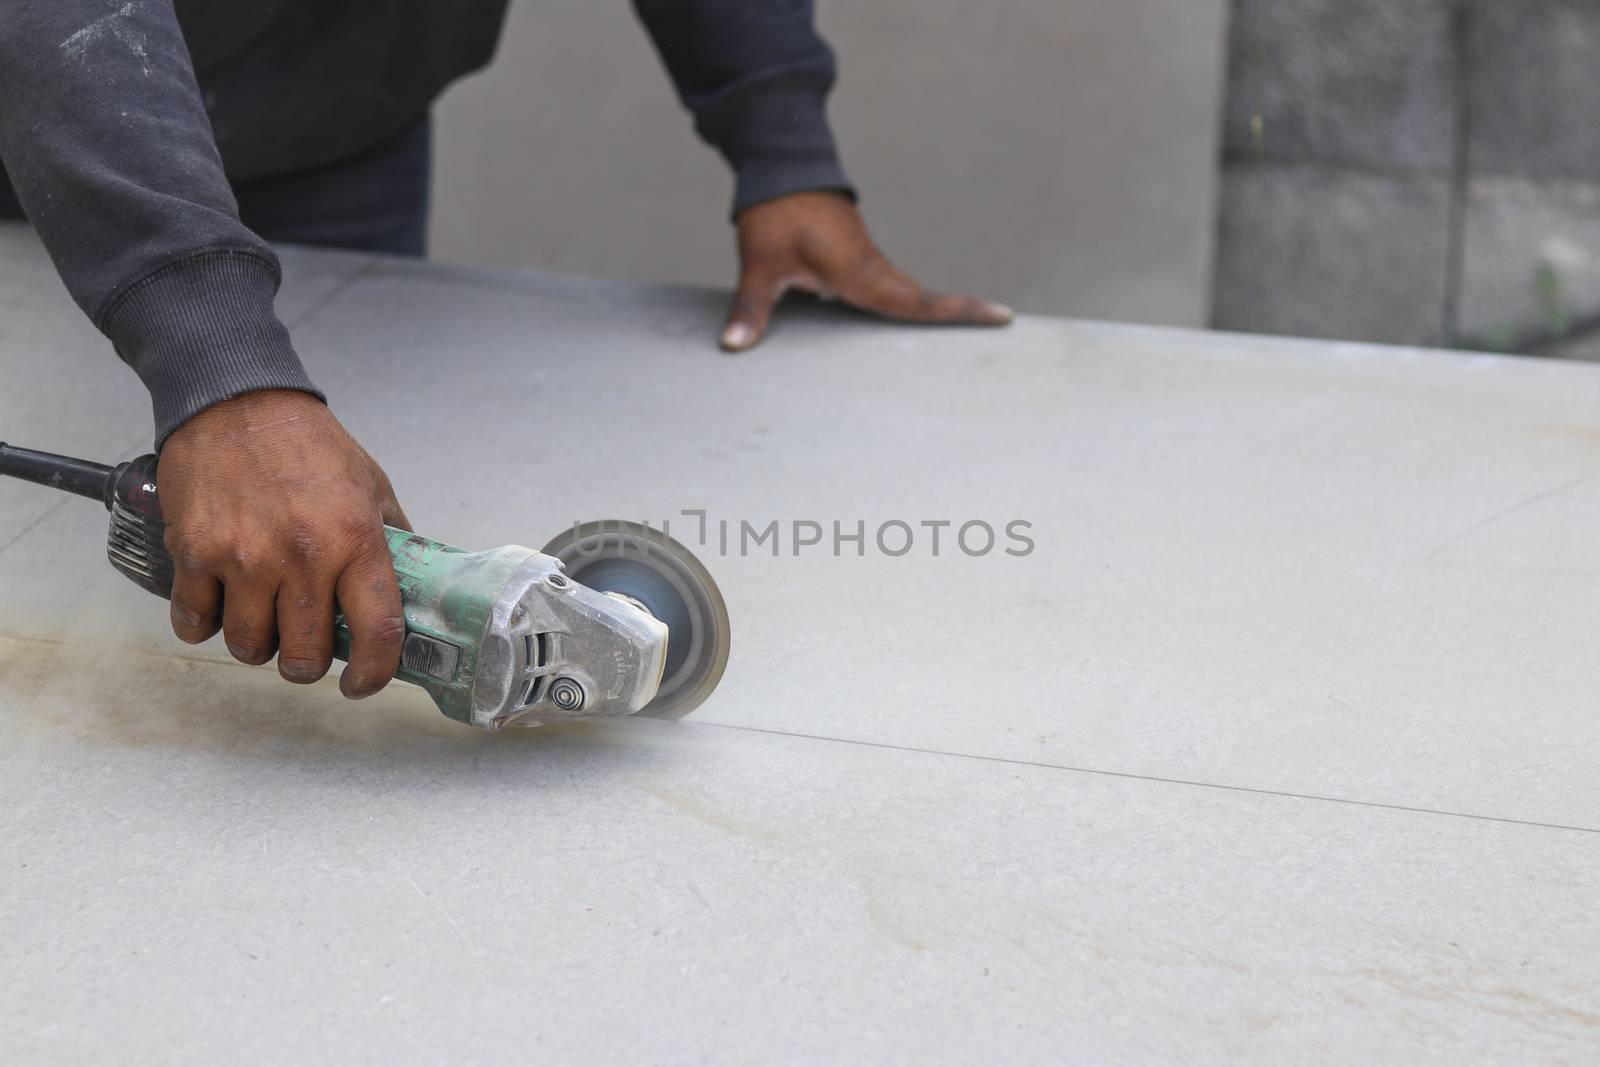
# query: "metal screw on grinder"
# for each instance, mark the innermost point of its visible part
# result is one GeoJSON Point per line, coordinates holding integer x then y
{"type": "Point", "coordinates": [566, 694]}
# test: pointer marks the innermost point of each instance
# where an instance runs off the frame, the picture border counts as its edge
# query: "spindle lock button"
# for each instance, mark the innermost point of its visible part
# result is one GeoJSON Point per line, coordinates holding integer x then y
{"type": "Point", "coordinates": [430, 656]}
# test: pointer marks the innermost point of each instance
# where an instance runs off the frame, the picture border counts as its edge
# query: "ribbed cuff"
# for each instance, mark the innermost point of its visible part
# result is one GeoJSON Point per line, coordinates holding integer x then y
{"type": "Point", "coordinates": [769, 179]}
{"type": "Point", "coordinates": [200, 330]}
{"type": "Point", "coordinates": [780, 143]}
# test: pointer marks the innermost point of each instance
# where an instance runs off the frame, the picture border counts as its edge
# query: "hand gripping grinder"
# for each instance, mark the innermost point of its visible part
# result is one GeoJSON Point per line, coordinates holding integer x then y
{"type": "Point", "coordinates": [611, 618]}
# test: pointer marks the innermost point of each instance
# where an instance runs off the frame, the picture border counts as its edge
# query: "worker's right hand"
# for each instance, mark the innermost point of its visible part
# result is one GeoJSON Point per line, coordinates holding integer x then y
{"type": "Point", "coordinates": [275, 520]}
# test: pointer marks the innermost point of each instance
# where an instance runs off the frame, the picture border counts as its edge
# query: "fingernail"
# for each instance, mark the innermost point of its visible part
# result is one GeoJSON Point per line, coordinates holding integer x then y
{"type": "Point", "coordinates": [301, 672]}
{"type": "Point", "coordinates": [738, 336]}
{"type": "Point", "coordinates": [189, 627]}
{"type": "Point", "coordinates": [244, 655]}
{"type": "Point", "coordinates": [1000, 311]}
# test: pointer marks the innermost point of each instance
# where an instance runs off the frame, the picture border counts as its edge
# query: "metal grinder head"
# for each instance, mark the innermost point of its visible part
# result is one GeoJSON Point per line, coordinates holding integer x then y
{"type": "Point", "coordinates": [646, 566]}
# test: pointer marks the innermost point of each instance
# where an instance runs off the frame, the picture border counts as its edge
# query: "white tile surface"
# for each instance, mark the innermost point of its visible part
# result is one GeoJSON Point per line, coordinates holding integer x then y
{"type": "Point", "coordinates": [211, 867]}
{"type": "Point", "coordinates": [1257, 560]}
{"type": "Point", "coordinates": [1334, 571]}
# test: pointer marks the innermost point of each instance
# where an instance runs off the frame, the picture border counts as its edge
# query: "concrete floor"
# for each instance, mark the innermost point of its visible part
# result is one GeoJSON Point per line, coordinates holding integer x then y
{"type": "Point", "coordinates": [1279, 747]}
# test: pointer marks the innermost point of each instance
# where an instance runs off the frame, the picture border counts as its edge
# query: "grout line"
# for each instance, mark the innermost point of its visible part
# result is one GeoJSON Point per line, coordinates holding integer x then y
{"type": "Point", "coordinates": [1515, 506]}
{"type": "Point", "coordinates": [320, 303]}
{"type": "Point", "coordinates": [1219, 163]}
{"type": "Point", "coordinates": [1238, 161]}
{"type": "Point", "coordinates": [45, 514]}
{"type": "Point", "coordinates": [59, 504]}
{"type": "Point", "coordinates": [1130, 775]}
{"type": "Point", "coordinates": [1005, 760]}
{"type": "Point", "coordinates": [65, 500]}
{"type": "Point", "coordinates": [338, 289]}
{"type": "Point", "coordinates": [1460, 164]}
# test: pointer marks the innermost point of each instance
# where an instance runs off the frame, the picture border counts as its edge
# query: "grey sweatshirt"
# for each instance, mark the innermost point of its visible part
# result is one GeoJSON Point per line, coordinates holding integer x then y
{"type": "Point", "coordinates": [122, 123]}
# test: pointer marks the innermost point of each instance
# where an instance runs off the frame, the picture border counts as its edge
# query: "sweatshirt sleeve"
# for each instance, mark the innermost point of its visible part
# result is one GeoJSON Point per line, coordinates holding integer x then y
{"type": "Point", "coordinates": [756, 76]}
{"type": "Point", "coordinates": [107, 142]}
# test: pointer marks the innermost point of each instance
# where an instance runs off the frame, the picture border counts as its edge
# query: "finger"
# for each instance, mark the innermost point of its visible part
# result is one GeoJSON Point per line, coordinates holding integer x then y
{"type": "Point", "coordinates": [370, 599]}
{"type": "Point", "coordinates": [884, 290]}
{"type": "Point", "coordinates": [196, 605]}
{"type": "Point", "coordinates": [758, 293]}
{"type": "Point", "coordinates": [250, 619]}
{"type": "Point", "coordinates": [305, 627]}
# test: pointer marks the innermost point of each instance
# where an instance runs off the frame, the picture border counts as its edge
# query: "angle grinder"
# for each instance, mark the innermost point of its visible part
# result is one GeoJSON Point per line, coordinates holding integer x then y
{"type": "Point", "coordinates": [611, 618]}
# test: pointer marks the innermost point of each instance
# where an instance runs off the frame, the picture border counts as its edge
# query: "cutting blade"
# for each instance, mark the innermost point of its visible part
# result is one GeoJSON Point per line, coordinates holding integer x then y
{"type": "Point", "coordinates": [649, 567]}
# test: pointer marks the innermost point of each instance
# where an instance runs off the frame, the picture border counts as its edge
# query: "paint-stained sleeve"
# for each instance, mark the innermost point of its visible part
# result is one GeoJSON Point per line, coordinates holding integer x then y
{"type": "Point", "coordinates": [104, 135]}
{"type": "Point", "coordinates": [755, 74]}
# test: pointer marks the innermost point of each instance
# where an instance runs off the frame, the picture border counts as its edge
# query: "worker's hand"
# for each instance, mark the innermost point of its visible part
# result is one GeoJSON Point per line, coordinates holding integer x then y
{"type": "Point", "coordinates": [817, 243]}
{"type": "Point", "coordinates": [274, 513]}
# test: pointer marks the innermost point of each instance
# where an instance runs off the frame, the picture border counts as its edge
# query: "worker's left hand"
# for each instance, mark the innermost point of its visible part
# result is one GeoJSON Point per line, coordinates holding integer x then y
{"type": "Point", "coordinates": [817, 243]}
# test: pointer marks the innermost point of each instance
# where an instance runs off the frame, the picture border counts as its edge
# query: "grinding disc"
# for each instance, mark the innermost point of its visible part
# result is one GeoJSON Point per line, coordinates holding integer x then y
{"type": "Point", "coordinates": [636, 561]}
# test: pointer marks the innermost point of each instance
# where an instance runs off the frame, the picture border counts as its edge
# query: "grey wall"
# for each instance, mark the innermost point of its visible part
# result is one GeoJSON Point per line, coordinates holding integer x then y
{"type": "Point", "coordinates": [1056, 155]}
{"type": "Point", "coordinates": [1421, 171]}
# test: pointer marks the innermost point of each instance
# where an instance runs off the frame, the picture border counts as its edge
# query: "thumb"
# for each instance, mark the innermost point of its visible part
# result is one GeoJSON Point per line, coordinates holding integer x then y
{"type": "Point", "coordinates": [388, 504]}
{"type": "Point", "coordinates": [751, 310]}
{"type": "Point", "coordinates": [394, 515]}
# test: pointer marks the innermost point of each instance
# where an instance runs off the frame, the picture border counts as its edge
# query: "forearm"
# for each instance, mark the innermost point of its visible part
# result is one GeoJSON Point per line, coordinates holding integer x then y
{"type": "Point", "coordinates": [107, 142]}
{"type": "Point", "coordinates": [756, 75]}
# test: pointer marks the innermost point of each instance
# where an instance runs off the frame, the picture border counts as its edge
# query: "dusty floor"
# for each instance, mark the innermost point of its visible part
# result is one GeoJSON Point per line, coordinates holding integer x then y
{"type": "Point", "coordinates": [1277, 747]}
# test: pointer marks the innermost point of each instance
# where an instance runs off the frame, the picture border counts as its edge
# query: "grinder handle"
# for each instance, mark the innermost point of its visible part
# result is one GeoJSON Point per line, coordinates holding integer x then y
{"type": "Point", "coordinates": [137, 548]}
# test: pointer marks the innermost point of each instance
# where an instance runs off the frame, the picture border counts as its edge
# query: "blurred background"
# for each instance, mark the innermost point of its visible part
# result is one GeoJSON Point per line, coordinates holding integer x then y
{"type": "Point", "coordinates": [1414, 171]}
{"type": "Point", "coordinates": [1056, 154]}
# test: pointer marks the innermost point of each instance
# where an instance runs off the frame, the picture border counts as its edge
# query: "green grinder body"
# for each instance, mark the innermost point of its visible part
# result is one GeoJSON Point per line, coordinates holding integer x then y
{"type": "Point", "coordinates": [496, 637]}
